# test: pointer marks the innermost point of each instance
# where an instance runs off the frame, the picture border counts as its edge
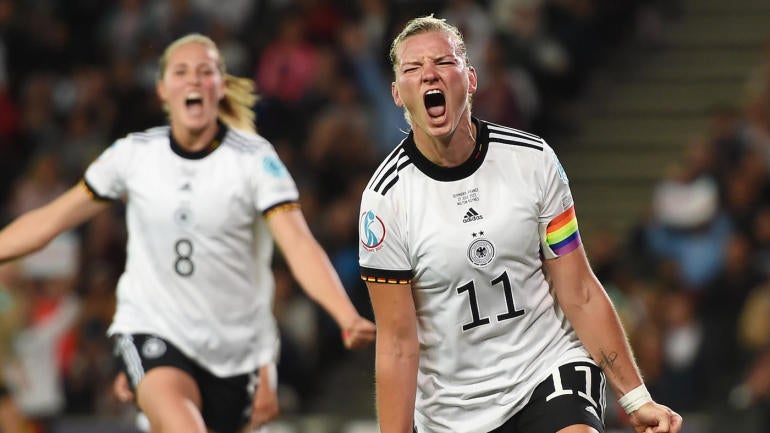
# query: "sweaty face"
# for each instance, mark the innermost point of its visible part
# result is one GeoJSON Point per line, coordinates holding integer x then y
{"type": "Point", "coordinates": [433, 83]}
{"type": "Point", "coordinates": [192, 86]}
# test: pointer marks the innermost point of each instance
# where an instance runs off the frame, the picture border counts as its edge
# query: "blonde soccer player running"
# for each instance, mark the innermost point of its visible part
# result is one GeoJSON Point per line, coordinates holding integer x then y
{"type": "Point", "coordinates": [206, 197]}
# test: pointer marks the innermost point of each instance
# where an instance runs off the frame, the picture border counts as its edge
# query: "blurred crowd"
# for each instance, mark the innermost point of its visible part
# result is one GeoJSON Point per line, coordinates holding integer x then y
{"type": "Point", "coordinates": [691, 282]}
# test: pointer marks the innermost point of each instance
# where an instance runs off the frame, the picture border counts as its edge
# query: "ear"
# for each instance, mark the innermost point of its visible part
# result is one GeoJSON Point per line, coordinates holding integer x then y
{"type": "Point", "coordinates": [396, 97]}
{"type": "Point", "coordinates": [473, 80]}
{"type": "Point", "coordinates": [160, 90]}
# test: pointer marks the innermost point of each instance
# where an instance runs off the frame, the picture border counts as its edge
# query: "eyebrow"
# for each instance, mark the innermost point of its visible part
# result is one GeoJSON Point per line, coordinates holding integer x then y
{"type": "Point", "coordinates": [434, 59]}
{"type": "Point", "coordinates": [193, 66]}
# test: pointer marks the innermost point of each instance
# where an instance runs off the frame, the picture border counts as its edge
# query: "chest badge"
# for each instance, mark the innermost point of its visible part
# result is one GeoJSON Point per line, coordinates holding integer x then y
{"type": "Point", "coordinates": [481, 250]}
{"type": "Point", "coordinates": [183, 215]}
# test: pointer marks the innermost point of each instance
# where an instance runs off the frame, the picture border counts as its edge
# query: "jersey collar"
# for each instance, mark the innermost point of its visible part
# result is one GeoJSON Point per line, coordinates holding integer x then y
{"type": "Point", "coordinates": [199, 154]}
{"type": "Point", "coordinates": [448, 174]}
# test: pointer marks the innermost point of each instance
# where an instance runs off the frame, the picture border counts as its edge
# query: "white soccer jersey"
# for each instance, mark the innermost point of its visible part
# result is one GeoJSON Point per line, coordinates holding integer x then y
{"type": "Point", "coordinates": [199, 252]}
{"type": "Point", "coordinates": [471, 240]}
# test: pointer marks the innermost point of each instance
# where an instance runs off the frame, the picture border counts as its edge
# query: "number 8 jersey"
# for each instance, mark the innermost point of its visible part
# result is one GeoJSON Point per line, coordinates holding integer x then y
{"type": "Point", "coordinates": [199, 252]}
{"type": "Point", "coordinates": [471, 241]}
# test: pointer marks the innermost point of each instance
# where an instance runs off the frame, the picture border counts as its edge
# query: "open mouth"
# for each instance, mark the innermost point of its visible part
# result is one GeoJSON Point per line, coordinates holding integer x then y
{"type": "Point", "coordinates": [194, 100]}
{"type": "Point", "coordinates": [435, 103]}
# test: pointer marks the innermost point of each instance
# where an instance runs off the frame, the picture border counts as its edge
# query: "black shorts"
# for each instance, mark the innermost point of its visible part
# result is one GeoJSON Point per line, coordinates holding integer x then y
{"type": "Point", "coordinates": [574, 395]}
{"type": "Point", "coordinates": [225, 401]}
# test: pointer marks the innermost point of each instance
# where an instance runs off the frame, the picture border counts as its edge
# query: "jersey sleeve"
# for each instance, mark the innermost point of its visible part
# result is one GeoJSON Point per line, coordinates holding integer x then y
{"type": "Point", "coordinates": [272, 184]}
{"type": "Point", "coordinates": [104, 177]}
{"type": "Point", "coordinates": [557, 221]}
{"type": "Point", "coordinates": [382, 252]}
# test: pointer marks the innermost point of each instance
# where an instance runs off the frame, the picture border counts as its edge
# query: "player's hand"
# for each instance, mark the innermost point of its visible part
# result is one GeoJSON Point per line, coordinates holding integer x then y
{"type": "Point", "coordinates": [121, 389]}
{"type": "Point", "coordinates": [358, 334]}
{"type": "Point", "coordinates": [655, 418]}
{"type": "Point", "coordinates": [265, 407]}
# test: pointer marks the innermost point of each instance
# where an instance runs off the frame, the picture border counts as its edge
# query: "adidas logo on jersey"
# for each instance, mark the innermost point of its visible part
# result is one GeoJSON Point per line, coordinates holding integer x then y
{"type": "Point", "coordinates": [472, 215]}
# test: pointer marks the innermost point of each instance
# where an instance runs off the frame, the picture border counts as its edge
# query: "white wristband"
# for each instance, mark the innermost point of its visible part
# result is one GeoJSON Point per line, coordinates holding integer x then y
{"type": "Point", "coordinates": [635, 399]}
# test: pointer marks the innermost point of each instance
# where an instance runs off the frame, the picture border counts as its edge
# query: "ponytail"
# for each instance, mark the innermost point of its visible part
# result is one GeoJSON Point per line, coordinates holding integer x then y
{"type": "Point", "coordinates": [236, 108]}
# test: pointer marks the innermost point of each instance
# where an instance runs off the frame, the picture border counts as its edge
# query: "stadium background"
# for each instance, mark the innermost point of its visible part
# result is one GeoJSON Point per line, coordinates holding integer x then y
{"type": "Point", "coordinates": [658, 109]}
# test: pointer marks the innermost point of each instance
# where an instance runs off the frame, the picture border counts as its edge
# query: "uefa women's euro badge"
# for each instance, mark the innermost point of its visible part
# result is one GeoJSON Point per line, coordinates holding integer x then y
{"type": "Point", "coordinates": [560, 170]}
{"type": "Point", "coordinates": [371, 231]}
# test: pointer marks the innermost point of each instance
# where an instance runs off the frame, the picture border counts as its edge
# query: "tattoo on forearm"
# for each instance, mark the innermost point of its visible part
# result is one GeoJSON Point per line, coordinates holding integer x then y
{"type": "Point", "coordinates": [607, 361]}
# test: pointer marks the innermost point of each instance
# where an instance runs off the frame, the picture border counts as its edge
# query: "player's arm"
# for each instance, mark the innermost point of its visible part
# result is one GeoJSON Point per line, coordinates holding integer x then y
{"type": "Point", "coordinates": [592, 315]}
{"type": "Point", "coordinates": [313, 270]}
{"type": "Point", "coordinates": [397, 355]}
{"type": "Point", "coordinates": [35, 229]}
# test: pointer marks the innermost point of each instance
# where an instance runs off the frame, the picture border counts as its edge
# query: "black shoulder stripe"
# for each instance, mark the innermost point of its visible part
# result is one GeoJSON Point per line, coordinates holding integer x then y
{"type": "Point", "coordinates": [515, 131]}
{"type": "Point", "coordinates": [395, 178]}
{"type": "Point", "coordinates": [515, 141]}
{"type": "Point", "coordinates": [389, 185]}
{"type": "Point", "coordinates": [391, 176]}
{"type": "Point", "coordinates": [387, 174]}
{"type": "Point", "coordinates": [392, 168]}
{"type": "Point", "coordinates": [515, 137]}
{"type": "Point", "coordinates": [393, 155]}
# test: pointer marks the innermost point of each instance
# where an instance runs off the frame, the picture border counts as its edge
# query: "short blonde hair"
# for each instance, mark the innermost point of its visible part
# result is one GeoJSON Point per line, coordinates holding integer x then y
{"type": "Point", "coordinates": [427, 24]}
{"type": "Point", "coordinates": [235, 109]}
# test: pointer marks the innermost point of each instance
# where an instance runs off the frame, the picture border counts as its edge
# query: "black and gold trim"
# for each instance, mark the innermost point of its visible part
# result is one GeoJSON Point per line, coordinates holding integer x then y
{"type": "Point", "coordinates": [372, 275]}
{"type": "Point", "coordinates": [280, 207]}
{"type": "Point", "coordinates": [92, 192]}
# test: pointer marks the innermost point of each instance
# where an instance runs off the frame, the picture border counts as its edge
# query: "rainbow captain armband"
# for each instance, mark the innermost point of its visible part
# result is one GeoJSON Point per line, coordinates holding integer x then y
{"type": "Point", "coordinates": [635, 399]}
{"type": "Point", "coordinates": [561, 234]}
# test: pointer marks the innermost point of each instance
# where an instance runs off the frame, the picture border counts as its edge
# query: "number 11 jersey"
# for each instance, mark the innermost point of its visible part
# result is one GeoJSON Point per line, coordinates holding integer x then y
{"type": "Point", "coordinates": [471, 241]}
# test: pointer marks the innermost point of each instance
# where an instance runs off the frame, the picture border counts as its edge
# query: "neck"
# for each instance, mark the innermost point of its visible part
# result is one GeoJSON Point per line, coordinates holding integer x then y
{"type": "Point", "coordinates": [194, 141]}
{"type": "Point", "coordinates": [448, 151]}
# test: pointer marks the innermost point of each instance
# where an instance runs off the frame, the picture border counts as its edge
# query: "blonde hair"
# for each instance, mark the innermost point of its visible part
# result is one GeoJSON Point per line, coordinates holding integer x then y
{"type": "Point", "coordinates": [235, 109]}
{"type": "Point", "coordinates": [426, 24]}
